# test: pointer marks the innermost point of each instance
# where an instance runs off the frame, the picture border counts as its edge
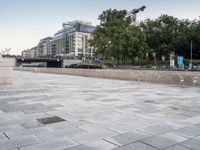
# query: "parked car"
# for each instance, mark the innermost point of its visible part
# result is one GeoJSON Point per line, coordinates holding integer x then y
{"type": "Point", "coordinates": [84, 66]}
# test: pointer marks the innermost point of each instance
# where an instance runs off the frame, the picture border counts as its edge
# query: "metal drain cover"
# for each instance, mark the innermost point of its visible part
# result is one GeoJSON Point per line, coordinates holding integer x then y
{"type": "Point", "coordinates": [149, 101]}
{"type": "Point", "coordinates": [49, 120]}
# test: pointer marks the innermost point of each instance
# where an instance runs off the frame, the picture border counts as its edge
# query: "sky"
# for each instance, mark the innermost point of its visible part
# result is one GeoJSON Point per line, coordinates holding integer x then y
{"type": "Point", "coordinates": [24, 22]}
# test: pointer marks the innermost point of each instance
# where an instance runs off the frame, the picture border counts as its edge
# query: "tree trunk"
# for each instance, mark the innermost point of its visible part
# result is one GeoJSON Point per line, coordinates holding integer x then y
{"type": "Point", "coordinates": [117, 60]}
{"type": "Point", "coordinates": [132, 61]}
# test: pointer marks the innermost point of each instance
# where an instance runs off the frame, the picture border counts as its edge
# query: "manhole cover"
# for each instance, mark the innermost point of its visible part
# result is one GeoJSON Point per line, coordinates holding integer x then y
{"type": "Point", "coordinates": [174, 108]}
{"type": "Point", "coordinates": [149, 101]}
{"type": "Point", "coordinates": [49, 120]}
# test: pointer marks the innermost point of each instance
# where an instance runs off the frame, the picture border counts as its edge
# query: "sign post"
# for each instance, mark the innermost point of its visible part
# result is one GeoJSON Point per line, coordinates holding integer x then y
{"type": "Point", "coordinates": [172, 63]}
{"type": "Point", "coordinates": [180, 62]}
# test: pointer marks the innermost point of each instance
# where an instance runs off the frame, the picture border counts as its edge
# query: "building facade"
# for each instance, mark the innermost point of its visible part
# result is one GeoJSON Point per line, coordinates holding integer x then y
{"type": "Point", "coordinates": [26, 54]}
{"type": "Point", "coordinates": [73, 39]}
{"type": "Point", "coordinates": [29, 53]}
{"type": "Point", "coordinates": [44, 47]}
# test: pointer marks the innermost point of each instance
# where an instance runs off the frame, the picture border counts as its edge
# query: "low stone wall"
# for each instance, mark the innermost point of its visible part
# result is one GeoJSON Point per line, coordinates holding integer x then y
{"type": "Point", "coordinates": [6, 71]}
{"type": "Point", "coordinates": [163, 77]}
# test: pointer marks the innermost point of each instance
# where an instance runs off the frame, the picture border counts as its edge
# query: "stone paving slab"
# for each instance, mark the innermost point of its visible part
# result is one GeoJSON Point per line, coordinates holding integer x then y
{"type": "Point", "coordinates": [136, 146]}
{"type": "Point", "coordinates": [18, 142]}
{"type": "Point", "coordinates": [100, 114]}
{"type": "Point", "coordinates": [159, 129]}
{"type": "Point", "coordinates": [80, 147]}
{"type": "Point", "coordinates": [194, 120]}
{"type": "Point", "coordinates": [192, 143]}
{"type": "Point", "coordinates": [93, 136]}
{"type": "Point", "coordinates": [164, 140]}
{"type": "Point", "coordinates": [177, 147]}
{"type": "Point", "coordinates": [2, 136]}
{"type": "Point", "coordinates": [189, 131]}
{"type": "Point", "coordinates": [33, 131]}
{"type": "Point", "coordinates": [60, 134]}
{"type": "Point", "coordinates": [102, 145]}
{"type": "Point", "coordinates": [53, 145]}
{"type": "Point", "coordinates": [127, 138]}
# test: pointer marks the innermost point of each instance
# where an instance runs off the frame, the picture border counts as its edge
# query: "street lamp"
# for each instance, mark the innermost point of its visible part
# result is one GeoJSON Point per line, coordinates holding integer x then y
{"type": "Point", "coordinates": [191, 46]}
{"type": "Point", "coordinates": [154, 56]}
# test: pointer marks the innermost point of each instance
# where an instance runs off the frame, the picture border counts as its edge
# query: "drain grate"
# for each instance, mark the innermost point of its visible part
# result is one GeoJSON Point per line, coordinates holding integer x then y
{"type": "Point", "coordinates": [49, 120]}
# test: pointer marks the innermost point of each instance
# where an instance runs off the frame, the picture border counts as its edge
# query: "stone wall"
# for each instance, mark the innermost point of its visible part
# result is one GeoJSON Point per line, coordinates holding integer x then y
{"type": "Point", "coordinates": [163, 77]}
{"type": "Point", "coordinates": [6, 71]}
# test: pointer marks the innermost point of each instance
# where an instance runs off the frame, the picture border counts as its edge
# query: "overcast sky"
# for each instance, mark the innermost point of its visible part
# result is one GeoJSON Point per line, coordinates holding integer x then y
{"type": "Point", "coordinates": [24, 22]}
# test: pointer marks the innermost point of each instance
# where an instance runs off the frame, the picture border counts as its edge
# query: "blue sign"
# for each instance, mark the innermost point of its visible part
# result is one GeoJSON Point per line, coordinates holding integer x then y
{"type": "Point", "coordinates": [180, 60]}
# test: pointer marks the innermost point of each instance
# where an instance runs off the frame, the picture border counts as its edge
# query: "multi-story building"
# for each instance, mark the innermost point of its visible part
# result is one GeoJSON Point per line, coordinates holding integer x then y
{"type": "Point", "coordinates": [29, 53]}
{"type": "Point", "coordinates": [44, 47]}
{"type": "Point", "coordinates": [26, 54]}
{"type": "Point", "coordinates": [35, 51]}
{"type": "Point", "coordinates": [73, 39]}
{"type": "Point", "coordinates": [57, 43]}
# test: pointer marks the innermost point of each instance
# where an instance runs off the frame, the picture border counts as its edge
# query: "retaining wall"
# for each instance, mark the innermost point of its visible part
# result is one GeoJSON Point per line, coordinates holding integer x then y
{"type": "Point", "coordinates": [163, 77]}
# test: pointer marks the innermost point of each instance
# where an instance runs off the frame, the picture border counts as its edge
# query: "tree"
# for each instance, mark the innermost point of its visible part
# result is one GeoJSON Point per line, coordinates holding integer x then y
{"type": "Point", "coordinates": [161, 33]}
{"type": "Point", "coordinates": [136, 43]}
{"type": "Point", "coordinates": [195, 37]}
{"type": "Point", "coordinates": [116, 37]}
{"type": "Point", "coordinates": [100, 43]}
{"type": "Point", "coordinates": [169, 34]}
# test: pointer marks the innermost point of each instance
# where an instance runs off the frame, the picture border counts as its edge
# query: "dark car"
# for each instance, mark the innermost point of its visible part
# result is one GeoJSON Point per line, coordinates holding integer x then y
{"type": "Point", "coordinates": [85, 66]}
{"type": "Point", "coordinates": [72, 66]}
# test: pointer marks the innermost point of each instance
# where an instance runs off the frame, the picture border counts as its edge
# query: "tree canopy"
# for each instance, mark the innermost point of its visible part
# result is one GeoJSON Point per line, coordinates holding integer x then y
{"type": "Point", "coordinates": [169, 34]}
{"type": "Point", "coordinates": [118, 38]}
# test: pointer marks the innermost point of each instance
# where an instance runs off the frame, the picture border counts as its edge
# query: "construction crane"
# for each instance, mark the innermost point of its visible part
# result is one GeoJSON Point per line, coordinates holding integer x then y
{"type": "Point", "coordinates": [133, 13]}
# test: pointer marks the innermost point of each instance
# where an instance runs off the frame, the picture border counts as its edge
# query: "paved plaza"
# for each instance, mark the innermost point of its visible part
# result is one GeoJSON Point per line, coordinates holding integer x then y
{"type": "Point", "coordinates": [97, 114]}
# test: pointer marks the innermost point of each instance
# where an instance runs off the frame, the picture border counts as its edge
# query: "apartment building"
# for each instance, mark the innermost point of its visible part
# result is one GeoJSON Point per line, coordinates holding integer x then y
{"type": "Point", "coordinates": [73, 39]}
{"type": "Point", "coordinates": [29, 53]}
{"type": "Point", "coordinates": [44, 47]}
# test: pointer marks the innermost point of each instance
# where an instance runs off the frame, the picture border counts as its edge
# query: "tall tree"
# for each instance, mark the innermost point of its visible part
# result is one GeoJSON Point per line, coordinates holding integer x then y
{"type": "Point", "coordinates": [136, 43]}
{"type": "Point", "coordinates": [167, 33]}
{"type": "Point", "coordinates": [161, 34]}
{"type": "Point", "coordinates": [113, 36]}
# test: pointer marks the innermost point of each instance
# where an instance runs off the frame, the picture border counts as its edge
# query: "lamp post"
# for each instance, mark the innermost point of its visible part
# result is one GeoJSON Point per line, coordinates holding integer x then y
{"type": "Point", "coordinates": [58, 62]}
{"type": "Point", "coordinates": [154, 56]}
{"type": "Point", "coordinates": [191, 46]}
